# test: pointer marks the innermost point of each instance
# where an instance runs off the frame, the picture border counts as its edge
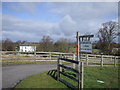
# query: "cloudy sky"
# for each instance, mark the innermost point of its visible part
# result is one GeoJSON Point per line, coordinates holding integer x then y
{"type": "Point", "coordinates": [31, 21]}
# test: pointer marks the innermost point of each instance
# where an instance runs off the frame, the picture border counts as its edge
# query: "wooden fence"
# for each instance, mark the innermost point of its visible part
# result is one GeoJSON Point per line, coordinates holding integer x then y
{"type": "Point", "coordinates": [101, 60]}
{"type": "Point", "coordinates": [36, 55]}
{"type": "Point", "coordinates": [88, 59]}
{"type": "Point", "coordinates": [78, 71]}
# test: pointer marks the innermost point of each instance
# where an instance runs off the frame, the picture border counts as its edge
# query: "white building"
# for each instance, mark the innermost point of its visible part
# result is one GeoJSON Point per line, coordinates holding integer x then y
{"type": "Point", "coordinates": [26, 47]}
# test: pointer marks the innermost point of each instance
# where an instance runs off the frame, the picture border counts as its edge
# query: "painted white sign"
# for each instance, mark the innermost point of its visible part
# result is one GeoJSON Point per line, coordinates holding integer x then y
{"type": "Point", "coordinates": [86, 46]}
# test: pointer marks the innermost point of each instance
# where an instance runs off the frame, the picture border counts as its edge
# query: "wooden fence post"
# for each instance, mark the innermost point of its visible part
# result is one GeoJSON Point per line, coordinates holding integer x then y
{"type": "Point", "coordinates": [34, 53]}
{"type": "Point", "coordinates": [86, 59]}
{"type": "Point", "coordinates": [115, 61]}
{"type": "Point", "coordinates": [50, 55]}
{"type": "Point", "coordinates": [60, 62]}
{"type": "Point", "coordinates": [101, 60]}
{"type": "Point", "coordinates": [74, 59]}
{"type": "Point", "coordinates": [82, 74]}
{"type": "Point", "coordinates": [79, 76]}
{"type": "Point", "coordinates": [58, 70]}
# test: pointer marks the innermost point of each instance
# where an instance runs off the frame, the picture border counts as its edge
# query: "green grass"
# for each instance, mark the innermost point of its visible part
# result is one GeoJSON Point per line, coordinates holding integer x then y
{"type": "Point", "coordinates": [96, 50]}
{"type": "Point", "coordinates": [107, 74]}
{"type": "Point", "coordinates": [41, 80]}
{"type": "Point", "coordinates": [91, 74]}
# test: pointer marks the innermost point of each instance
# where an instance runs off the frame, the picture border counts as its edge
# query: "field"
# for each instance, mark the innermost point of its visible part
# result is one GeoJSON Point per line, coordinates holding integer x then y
{"type": "Point", "coordinates": [94, 77]}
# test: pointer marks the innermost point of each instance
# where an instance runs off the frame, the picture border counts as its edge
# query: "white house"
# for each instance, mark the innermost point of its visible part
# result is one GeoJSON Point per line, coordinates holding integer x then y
{"type": "Point", "coordinates": [26, 47]}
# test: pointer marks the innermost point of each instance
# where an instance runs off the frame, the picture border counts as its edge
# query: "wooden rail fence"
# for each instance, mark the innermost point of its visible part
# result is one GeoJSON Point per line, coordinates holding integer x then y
{"type": "Point", "coordinates": [78, 71]}
{"type": "Point", "coordinates": [100, 59]}
{"type": "Point", "coordinates": [88, 59]}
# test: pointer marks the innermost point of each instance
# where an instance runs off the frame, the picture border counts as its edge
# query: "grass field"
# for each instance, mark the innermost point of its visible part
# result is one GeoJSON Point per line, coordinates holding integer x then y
{"type": "Point", "coordinates": [96, 50]}
{"type": "Point", "coordinates": [109, 75]}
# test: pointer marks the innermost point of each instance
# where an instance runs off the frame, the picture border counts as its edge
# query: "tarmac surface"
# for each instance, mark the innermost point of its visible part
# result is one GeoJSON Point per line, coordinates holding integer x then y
{"type": "Point", "coordinates": [11, 75]}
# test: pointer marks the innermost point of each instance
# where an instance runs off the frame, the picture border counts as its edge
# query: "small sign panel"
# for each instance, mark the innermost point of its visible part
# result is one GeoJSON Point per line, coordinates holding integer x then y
{"type": "Point", "coordinates": [86, 46]}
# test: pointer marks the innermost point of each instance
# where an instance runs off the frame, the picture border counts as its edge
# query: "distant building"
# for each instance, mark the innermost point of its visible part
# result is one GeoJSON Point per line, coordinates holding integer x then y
{"type": "Point", "coordinates": [26, 47]}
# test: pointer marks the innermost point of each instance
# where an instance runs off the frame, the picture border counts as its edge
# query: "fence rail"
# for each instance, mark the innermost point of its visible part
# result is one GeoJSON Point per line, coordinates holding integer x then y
{"type": "Point", "coordinates": [100, 59]}
{"type": "Point", "coordinates": [89, 59]}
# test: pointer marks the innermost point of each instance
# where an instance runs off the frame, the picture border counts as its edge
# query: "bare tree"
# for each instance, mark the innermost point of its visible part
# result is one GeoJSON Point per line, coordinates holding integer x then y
{"type": "Point", "coordinates": [106, 34]}
{"type": "Point", "coordinates": [46, 44]}
{"type": "Point", "coordinates": [63, 45]}
{"type": "Point", "coordinates": [8, 45]}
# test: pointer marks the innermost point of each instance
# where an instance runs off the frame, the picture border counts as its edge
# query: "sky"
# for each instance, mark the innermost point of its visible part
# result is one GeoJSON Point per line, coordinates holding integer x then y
{"type": "Point", "coordinates": [30, 21]}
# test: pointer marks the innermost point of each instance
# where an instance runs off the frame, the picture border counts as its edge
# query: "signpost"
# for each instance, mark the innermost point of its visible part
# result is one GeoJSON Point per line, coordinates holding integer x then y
{"type": "Point", "coordinates": [83, 45]}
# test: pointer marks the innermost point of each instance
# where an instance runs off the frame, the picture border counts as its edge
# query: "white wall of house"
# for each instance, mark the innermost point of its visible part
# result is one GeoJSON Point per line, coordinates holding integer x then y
{"type": "Point", "coordinates": [27, 48]}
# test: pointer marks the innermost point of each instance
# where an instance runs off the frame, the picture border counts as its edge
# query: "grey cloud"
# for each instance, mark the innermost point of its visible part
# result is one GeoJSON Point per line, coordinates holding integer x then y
{"type": "Point", "coordinates": [14, 27]}
{"type": "Point", "coordinates": [20, 29]}
{"type": "Point", "coordinates": [87, 15]}
{"type": "Point", "coordinates": [68, 25]}
{"type": "Point", "coordinates": [83, 17]}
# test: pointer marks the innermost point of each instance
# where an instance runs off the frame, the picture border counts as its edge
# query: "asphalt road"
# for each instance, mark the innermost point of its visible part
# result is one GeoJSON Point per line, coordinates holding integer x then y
{"type": "Point", "coordinates": [11, 75]}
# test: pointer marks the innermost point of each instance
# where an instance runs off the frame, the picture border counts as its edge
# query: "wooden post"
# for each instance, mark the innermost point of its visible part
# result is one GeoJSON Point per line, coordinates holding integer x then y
{"type": "Point", "coordinates": [58, 70]}
{"type": "Point", "coordinates": [61, 67]}
{"type": "Point", "coordinates": [18, 53]}
{"type": "Point", "coordinates": [74, 59]}
{"type": "Point", "coordinates": [82, 74]}
{"type": "Point", "coordinates": [101, 60]}
{"type": "Point", "coordinates": [115, 61]}
{"type": "Point", "coordinates": [34, 51]}
{"type": "Point", "coordinates": [111, 59]}
{"type": "Point", "coordinates": [50, 56]}
{"type": "Point", "coordinates": [78, 58]}
{"type": "Point", "coordinates": [60, 62]}
{"type": "Point", "coordinates": [79, 77]}
{"type": "Point", "coordinates": [77, 46]}
{"type": "Point", "coordinates": [86, 59]}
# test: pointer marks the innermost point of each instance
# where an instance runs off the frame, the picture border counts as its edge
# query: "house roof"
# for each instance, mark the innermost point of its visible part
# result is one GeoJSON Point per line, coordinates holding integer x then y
{"type": "Point", "coordinates": [25, 44]}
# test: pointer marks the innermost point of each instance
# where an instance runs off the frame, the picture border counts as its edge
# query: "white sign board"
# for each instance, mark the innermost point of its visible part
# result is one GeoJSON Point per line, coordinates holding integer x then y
{"type": "Point", "coordinates": [86, 46]}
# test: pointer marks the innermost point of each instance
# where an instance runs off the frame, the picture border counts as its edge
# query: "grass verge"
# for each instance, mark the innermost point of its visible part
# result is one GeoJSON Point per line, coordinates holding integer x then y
{"type": "Point", "coordinates": [41, 80]}
{"type": "Point", "coordinates": [109, 75]}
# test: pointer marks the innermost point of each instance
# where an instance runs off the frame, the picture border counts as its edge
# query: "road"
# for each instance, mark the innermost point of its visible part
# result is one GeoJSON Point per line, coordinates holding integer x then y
{"type": "Point", "coordinates": [11, 75]}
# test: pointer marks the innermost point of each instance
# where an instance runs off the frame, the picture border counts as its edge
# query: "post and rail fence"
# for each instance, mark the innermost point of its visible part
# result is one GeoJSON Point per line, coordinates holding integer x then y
{"type": "Point", "coordinates": [88, 59]}
{"type": "Point", "coordinates": [101, 60]}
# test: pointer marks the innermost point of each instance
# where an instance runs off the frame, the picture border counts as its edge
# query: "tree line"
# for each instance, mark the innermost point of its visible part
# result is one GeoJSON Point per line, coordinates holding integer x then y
{"type": "Point", "coordinates": [46, 44]}
{"type": "Point", "coordinates": [106, 34]}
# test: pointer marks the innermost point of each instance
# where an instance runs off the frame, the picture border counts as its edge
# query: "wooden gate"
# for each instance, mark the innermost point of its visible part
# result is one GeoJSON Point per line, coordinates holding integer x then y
{"type": "Point", "coordinates": [78, 71]}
